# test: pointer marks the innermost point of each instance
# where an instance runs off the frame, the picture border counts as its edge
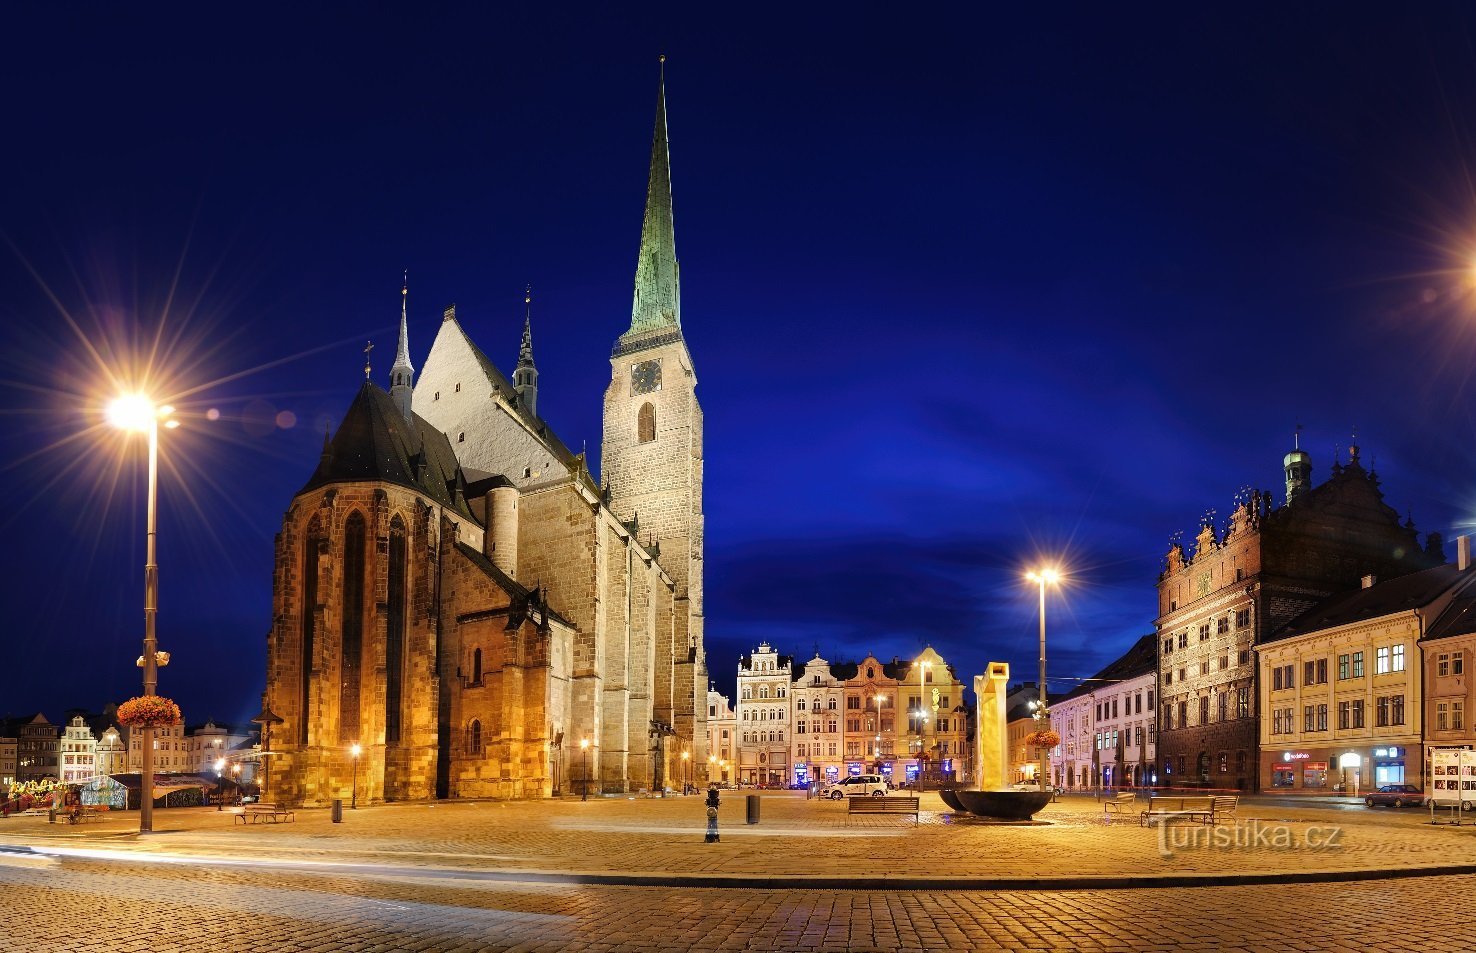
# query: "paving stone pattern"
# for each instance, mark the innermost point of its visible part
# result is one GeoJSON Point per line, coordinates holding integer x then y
{"type": "Point", "coordinates": [795, 838]}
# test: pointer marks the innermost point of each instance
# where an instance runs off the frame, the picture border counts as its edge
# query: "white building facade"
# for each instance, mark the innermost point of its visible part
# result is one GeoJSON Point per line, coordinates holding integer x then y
{"type": "Point", "coordinates": [762, 717]}
{"type": "Point", "coordinates": [78, 752]}
{"type": "Point", "coordinates": [818, 698]}
{"type": "Point", "coordinates": [722, 738]}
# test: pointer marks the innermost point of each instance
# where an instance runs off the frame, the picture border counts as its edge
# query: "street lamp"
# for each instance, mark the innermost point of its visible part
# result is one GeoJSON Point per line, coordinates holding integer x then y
{"type": "Point", "coordinates": [219, 783]}
{"type": "Point", "coordinates": [686, 771]}
{"type": "Point", "coordinates": [137, 414]}
{"type": "Point", "coordinates": [236, 779]}
{"type": "Point", "coordinates": [584, 789]}
{"type": "Point", "coordinates": [355, 750]}
{"type": "Point", "coordinates": [922, 719]}
{"type": "Point", "coordinates": [1041, 578]}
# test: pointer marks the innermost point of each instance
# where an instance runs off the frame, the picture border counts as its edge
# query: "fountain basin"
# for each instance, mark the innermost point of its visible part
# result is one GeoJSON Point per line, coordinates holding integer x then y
{"type": "Point", "coordinates": [1005, 805]}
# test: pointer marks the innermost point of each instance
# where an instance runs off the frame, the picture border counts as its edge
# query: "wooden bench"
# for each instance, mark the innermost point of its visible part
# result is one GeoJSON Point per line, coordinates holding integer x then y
{"type": "Point", "coordinates": [886, 804]}
{"type": "Point", "coordinates": [270, 813]}
{"type": "Point", "coordinates": [1124, 801]}
{"type": "Point", "coordinates": [1223, 806]}
{"type": "Point", "coordinates": [1190, 807]}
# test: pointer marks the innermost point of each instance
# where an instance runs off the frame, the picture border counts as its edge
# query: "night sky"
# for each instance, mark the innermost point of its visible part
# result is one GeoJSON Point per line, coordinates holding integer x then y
{"type": "Point", "coordinates": [963, 294]}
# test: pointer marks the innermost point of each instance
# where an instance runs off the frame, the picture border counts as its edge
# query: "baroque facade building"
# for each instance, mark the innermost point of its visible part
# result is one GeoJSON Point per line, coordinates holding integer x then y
{"type": "Point", "coordinates": [817, 697]}
{"type": "Point", "coordinates": [1240, 585]}
{"type": "Point", "coordinates": [458, 596]}
{"type": "Point", "coordinates": [78, 751]}
{"type": "Point", "coordinates": [764, 735]}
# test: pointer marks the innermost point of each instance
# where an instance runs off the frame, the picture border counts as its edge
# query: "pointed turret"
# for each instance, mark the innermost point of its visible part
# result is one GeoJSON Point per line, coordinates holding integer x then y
{"type": "Point", "coordinates": [1298, 468]}
{"type": "Point", "coordinates": [402, 375]}
{"type": "Point", "coordinates": [657, 302]}
{"type": "Point", "coordinates": [525, 376]}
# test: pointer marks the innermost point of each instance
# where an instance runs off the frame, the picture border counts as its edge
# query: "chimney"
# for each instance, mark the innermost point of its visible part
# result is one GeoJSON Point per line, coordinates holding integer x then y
{"type": "Point", "coordinates": [1369, 580]}
{"type": "Point", "coordinates": [1463, 553]}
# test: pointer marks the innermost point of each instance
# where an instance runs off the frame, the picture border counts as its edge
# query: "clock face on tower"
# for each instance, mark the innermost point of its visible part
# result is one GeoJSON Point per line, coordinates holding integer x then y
{"type": "Point", "coordinates": [645, 377]}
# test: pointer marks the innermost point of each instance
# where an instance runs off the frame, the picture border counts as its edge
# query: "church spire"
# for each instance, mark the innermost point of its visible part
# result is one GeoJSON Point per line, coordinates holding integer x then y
{"type": "Point", "coordinates": [525, 376]}
{"type": "Point", "coordinates": [657, 302]}
{"type": "Point", "coordinates": [402, 375]}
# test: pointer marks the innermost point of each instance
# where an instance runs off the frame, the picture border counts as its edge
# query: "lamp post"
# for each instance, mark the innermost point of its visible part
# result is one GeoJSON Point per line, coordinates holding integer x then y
{"type": "Point", "coordinates": [219, 783]}
{"type": "Point", "coordinates": [136, 413]}
{"type": "Point", "coordinates": [584, 788]}
{"type": "Point", "coordinates": [922, 718]}
{"type": "Point", "coordinates": [686, 771]}
{"type": "Point", "coordinates": [1042, 713]}
{"type": "Point", "coordinates": [266, 719]}
{"type": "Point", "coordinates": [355, 751]}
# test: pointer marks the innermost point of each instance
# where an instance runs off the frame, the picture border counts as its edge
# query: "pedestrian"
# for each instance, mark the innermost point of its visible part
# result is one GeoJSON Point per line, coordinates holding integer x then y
{"type": "Point", "coordinates": [712, 813]}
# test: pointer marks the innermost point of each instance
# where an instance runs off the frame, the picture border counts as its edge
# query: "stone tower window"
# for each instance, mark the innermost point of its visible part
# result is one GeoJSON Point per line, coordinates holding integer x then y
{"type": "Point", "coordinates": [474, 737]}
{"type": "Point", "coordinates": [476, 667]}
{"type": "Point", "coordinates": [646, 423]}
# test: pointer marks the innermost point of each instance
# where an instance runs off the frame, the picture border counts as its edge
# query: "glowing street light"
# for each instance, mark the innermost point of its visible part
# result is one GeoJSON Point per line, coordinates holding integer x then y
{"type": "Point", "coordinates": [138, 414]}
{"type": "Point", "coordinates": [686, 771]}
{"type": "Point", "coordinates": [220, 764]}
{"type": "Point", "coordinates": [1043, 577]}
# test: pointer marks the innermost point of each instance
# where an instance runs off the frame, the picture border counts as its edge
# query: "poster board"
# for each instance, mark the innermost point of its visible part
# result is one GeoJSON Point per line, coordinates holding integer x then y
{"type": "Point", "coordinates": [1453, 777]}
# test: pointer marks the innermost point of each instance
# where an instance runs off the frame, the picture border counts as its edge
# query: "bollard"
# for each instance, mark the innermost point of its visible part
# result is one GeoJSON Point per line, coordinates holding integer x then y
{"type": "Point", "coordinates": [338, 810]}
{"type": "Point", "coordinates": [753, 809]}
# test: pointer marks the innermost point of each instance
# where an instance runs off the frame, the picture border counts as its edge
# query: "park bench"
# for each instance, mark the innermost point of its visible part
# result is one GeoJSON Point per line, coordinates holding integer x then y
{"type": "Point", "coordinates": [1190, 807]}
{"type": "Point", "coordinates": [1224, 806]}
{"type": "Point", "coordinates": [886, 804]}
{"type": "Point", "coordinates": [89, 812]}
{"type": "Point", "coordinates": [1124, 801]}
{"type": "Point", "coordinates": [270, 813]}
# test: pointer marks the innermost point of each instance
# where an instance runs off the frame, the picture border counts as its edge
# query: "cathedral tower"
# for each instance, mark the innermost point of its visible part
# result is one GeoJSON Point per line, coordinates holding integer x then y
{"type": "Point", "coordinates": [651, 458]}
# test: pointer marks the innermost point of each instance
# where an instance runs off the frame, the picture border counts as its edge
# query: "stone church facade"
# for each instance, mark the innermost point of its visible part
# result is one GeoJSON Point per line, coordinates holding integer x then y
{"type": "Point", "coordinates": [457, 596]}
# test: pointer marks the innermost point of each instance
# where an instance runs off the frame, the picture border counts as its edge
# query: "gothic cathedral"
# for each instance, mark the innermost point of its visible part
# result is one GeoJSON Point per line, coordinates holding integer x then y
{"type": "Point", "coordinates": [463, 611]}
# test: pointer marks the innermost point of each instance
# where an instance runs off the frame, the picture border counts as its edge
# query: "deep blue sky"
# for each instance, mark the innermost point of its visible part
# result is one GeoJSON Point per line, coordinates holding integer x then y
{"type": "Point", "coordinates": [962, 292]}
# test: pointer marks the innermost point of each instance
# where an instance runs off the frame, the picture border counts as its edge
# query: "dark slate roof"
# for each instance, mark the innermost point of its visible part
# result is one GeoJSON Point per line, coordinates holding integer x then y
{"type": "Point", "coordinates": [1400, 594]}
{"type": "Point", "coordinates": [375, 444]}
{"type": "Point", "coordinates": [1141, 659]}
{"type": "Point", "coordinates": [1459, 618]}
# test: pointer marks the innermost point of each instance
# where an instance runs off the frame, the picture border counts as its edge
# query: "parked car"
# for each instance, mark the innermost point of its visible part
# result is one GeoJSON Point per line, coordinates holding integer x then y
{"type": "Point", "coordinates": [859, 785]}
{"type": "Point", "coordinates": [1396, 795]}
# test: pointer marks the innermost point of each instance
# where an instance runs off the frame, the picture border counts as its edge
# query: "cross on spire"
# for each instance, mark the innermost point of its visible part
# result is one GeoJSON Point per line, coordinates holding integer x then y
{"type": "Point", "coordinates": [368, 346]}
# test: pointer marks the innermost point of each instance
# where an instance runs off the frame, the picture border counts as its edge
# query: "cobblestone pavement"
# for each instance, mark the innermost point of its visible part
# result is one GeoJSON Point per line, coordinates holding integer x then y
{"type": "Point", "coordinates": [91, 907]}
{"type": "Point", "coordinates": [795, 838]}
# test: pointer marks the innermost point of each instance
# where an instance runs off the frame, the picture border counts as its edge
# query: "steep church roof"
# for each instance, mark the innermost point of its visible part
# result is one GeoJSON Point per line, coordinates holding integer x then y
{"type": "Point", "coordinates": [375, 444]}
{"type": "Point", "coordinates": [503, 386]}
{"type": "Point", "coordinates": [657, 300]}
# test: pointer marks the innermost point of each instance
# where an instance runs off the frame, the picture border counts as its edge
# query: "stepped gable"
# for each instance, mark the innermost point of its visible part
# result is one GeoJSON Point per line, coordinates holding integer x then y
{"type": "Point", "coordinates": [375, 444]}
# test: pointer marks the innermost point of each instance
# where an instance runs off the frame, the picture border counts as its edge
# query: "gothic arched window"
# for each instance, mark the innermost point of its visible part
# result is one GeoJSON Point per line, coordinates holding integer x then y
{"type": "Point", "coordinates": [646, 423]}
{"type": "Point", "coordinates": [310, 551]}
{"type": "Point", "coordinates": [394, 648]}
{"type": "Point", "coordinates": [353, 627]}
{"type": "Point", "coordinates": [474, 738]}
{"type": "Point", "coordinates": [476, 667]}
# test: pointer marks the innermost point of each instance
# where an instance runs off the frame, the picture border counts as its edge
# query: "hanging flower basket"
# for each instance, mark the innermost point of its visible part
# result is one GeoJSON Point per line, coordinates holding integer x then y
{"type": "Point", "coordinates": [1043, 739]}
{"type": "Point", "coordinates": [148, 711]}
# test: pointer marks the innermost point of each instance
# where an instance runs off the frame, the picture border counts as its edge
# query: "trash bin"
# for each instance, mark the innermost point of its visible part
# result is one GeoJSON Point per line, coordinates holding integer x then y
{"type": "Point", "coordinates": [753, 809]}
{"type": "Point", "coordinates": [338, 810]}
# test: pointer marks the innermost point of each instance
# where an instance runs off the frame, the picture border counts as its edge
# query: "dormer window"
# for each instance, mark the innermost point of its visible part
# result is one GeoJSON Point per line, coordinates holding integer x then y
{"type": "Point", "coordinates": [458, 387]}
{"type": "Point", "coordinates": [461, 437]}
